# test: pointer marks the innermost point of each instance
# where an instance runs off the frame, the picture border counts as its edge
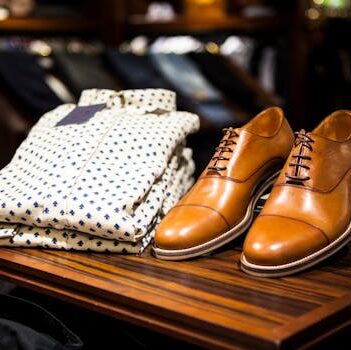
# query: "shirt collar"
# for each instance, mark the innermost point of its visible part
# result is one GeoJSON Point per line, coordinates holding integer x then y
{"type": "Point", "coordinates": [137, 101]}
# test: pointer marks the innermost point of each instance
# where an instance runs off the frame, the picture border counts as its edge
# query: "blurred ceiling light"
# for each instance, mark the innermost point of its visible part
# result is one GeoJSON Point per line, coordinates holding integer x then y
{"type": "Point", "coordinates": [212, 47]}
{"type": "Point", "coordinates": [139, 45]}
{"type": "Point", "coordinates": [312, 13]}
{"type": "Point", "coordinates": [4, 13]}
{"type": "Point", "coordinates": [318, 2]}
{"type": "Point", "coordinates": [40, 47]}
{"type": "Point", "coordinates": [75, 46]}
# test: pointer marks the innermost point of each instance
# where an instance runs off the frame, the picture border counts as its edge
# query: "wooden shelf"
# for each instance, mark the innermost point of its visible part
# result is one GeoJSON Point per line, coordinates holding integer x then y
{"type": "Point", "coordinates": [138, 24]}
{"type": "Point", "coordinates": [206, 301]}
{"type": "Point", "coordinates": [48, 25]}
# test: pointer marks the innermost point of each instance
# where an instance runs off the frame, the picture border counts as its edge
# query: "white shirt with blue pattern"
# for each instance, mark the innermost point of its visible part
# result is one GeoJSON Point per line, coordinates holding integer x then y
{"type": "Point", "coordinates": [98, 175]}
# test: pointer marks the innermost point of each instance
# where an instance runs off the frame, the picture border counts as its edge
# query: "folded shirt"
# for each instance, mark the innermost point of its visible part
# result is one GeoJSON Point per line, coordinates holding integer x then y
{"type": "Point", "coordinates": [107, 167]}
{"type": "Point", "coordinates": [174, 183]}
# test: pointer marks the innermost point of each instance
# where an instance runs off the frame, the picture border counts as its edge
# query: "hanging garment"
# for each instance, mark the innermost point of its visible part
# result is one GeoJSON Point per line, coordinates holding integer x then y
{"type": "Point", "coordinates": [108, 168]}
{"type": "Point", "coordinates": [185, 76]}
{"type": "Point", "coordinates": [13, 128]}
{"type": "Point", "coordinates": [235, 82]}
{"type": "Point", "coordinates": [24, 79]}
{"type": "Point", "coordinates": [239, 49]}
{"type": "Point", "coordinates": [145, 71]}
{"type": "Point", "coordinates": [138, 72]}
{"type": "Point", "coordinates": [188, 80]}
{"type": "Point", "coordinates": [267, 68]}
{"type": "Point", "coordinates": [217, 69]}
{"type": "Point", "coordinates": [83, 71]}
{"type": "Point", "coordinates": [134, 71]}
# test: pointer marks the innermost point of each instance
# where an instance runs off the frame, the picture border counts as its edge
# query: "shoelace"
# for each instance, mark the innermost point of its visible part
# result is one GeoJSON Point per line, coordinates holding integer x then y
{"type": "Point", "coordinates": [224, 146]}
{"type": "Point", "coordinates": [304, 141]}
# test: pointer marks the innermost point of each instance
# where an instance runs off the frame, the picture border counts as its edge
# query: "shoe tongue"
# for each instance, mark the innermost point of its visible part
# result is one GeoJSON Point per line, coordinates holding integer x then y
{"type": "Point", "coordinates": [335, 127]}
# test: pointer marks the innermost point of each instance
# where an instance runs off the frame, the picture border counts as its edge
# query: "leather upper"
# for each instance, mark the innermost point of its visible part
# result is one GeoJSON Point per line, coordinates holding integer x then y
{"type": "Point", "coordinates": [302, 216]}
{"type": "Point", "coordinates": [219, 200]}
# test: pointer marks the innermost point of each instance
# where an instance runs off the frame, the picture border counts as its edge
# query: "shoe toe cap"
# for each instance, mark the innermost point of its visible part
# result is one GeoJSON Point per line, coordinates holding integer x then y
{"type": "Point", "coordinates": [274, 241]}
{"type": "Point", "coordinates": [189, 226]}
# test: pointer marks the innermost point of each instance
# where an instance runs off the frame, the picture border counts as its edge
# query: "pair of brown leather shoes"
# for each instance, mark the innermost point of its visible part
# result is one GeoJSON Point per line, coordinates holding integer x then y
{"type": "Point", "coordinates": [307, 216]}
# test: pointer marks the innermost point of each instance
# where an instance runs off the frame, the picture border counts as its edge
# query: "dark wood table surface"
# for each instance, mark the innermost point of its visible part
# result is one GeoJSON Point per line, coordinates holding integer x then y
{"type": "Point", "coordinates": [207, 301]}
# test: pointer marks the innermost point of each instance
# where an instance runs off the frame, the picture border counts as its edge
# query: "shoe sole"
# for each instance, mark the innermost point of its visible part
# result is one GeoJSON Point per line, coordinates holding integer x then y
{"type": "Point", "coordinates": [233, 233]}
{"type": "Point", "coordinates": [298, 265]}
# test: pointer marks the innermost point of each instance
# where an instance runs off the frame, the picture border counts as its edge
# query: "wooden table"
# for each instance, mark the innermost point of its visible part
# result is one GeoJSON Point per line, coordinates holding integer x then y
{"type": "Point", "coordinates": [207, 301]}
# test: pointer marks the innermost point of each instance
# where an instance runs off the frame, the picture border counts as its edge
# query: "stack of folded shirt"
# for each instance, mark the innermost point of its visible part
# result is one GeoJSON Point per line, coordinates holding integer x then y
{"type": "Point", "coordinates": [100, 175]}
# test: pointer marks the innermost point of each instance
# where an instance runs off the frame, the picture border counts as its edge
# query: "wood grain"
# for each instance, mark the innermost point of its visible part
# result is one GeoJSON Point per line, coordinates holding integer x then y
{"type": "Point", "coordinates": [138, 25]}
{"type": "Point", "coordinates": [52, 25]}
{"type": "Point", "coordinates": [206, 301]}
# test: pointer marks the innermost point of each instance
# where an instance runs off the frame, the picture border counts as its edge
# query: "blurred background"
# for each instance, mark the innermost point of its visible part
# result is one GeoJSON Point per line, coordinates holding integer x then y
{"type": "Point", "coordinates": [226, 59]}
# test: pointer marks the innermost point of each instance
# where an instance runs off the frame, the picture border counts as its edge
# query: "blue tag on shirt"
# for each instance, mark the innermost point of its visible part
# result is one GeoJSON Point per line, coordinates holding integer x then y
{"type": "Point", "coordinates": [81, 114]}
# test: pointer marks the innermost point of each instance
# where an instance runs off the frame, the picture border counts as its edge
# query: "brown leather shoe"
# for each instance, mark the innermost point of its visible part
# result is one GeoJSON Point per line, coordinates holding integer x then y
{"type": "Point", "coordinates": [307, 217]}
{"type": "Point", "coordinates": [220, 205]}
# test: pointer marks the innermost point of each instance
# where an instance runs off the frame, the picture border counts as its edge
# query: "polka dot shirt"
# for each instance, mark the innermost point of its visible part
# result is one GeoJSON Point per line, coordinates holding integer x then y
{"type": "Point", "coordinates": [98, 175]}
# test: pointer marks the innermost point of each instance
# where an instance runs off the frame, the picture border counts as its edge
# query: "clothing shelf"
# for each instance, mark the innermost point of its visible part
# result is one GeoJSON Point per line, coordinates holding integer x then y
{"type": "Point", "coordinates": [138, 24]}
{"type": "Point", "coordinates": [53, 25]}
